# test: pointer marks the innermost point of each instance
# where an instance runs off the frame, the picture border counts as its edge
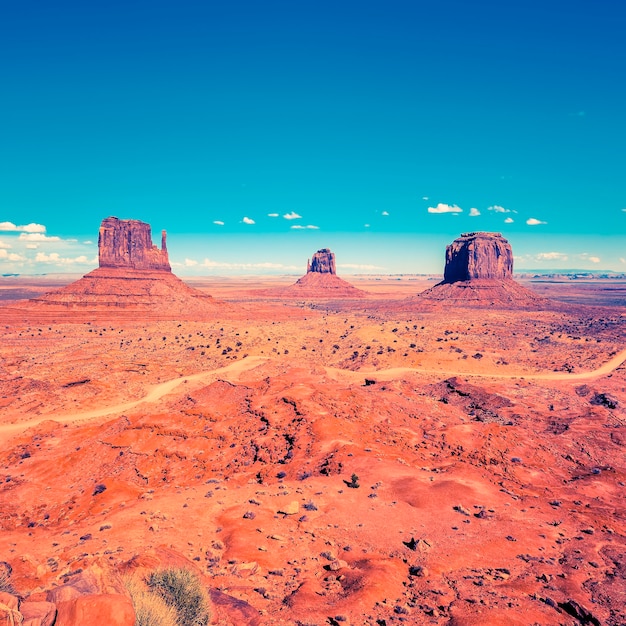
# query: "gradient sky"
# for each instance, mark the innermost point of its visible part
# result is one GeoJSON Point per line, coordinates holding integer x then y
{"type": "Point", "coordinates": [257, 132]}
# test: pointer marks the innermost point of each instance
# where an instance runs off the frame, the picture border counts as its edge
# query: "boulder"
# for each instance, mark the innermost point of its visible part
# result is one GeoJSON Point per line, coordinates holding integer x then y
{"type": "Point", "coordinates": [38, 613]}
{"type": "Point", "coordinates": [109, 609]}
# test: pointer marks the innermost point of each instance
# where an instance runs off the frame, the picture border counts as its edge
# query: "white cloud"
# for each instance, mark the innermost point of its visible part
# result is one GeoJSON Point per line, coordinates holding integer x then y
{"type": "Point", "coordinates": [551, 256]}
{"type": "Point", "coordinates": [88, 243]}
{"type": "Point", "coordinates": [10, 256]}
{"type": "Point", "coordinates": [496, 208]}
{"type": "Point", "coordinates": [445, 208]}
{"type": "Point", "coordinates": [5, 245]}
{"type": "Point", "coordinates": [208, 263]}
{"type": "Point", "coordinates": [56, 259]}
{"type": "Point", "coordinates": [424, 197]}
{"type": "Point", "coordinates": [358, 266]}
{"type": "Point", "coordinates": [32, 246]}
{"type": "Point", "coordinates": [292, 216]}
{"type": "Point", "coordinates": [218, 222]}
{"type": "Point", "coordinates": [622, 260]}
{"type": "Point", "coordinates": [190, 262]}
{"type": "Point", "coordinates": [534, 222]}
{"type": "Point", "coordinates": [307, 227]}
{"type": "Point", "coordinates": [272, 215]}
{"type": "Point", "coordinates": [589, 257]}
{"type": "Point", "coordinates": [28, 228]}
{"type": "Point", "coordinates": [474, 212]}
{"type": "Point", "coordinates": [509, 220]}
{"type": "Point", "coordinates": [34, 236]}
{"type": "Point", "coordinates": [385, 213]}
{"type": "Point", "coordinates": [247, 220]}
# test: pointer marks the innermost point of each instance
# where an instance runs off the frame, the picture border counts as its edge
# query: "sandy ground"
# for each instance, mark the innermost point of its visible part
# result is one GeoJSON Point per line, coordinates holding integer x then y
{"type": "Point", "coordinates": [488, 447]}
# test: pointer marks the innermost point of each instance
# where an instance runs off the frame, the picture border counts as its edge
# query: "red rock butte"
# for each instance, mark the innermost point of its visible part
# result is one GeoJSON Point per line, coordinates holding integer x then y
{"type": "Point", "coordinates": [133, 274]}
{"type": "Point", "coordinates": [128, 244]}
{"type": "Point", "coordinates": [320, 281]}
{"type": "Point", "coordinates": [479, 272]}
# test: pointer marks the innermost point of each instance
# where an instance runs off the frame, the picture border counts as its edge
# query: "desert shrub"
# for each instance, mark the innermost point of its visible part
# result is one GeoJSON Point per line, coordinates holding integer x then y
{"type": "Point", "coordinates": [182, 590]}
{"type": "Point", "coordinates": [5, 577]}
{"type": "Point", "coordinates": [150, 608]}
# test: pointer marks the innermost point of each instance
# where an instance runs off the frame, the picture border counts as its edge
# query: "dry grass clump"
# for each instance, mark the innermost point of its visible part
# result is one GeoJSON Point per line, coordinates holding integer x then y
{"type": "Point", "coordinates": [150, 608]}
{"type": "Point", "coordinates": [183, 590]}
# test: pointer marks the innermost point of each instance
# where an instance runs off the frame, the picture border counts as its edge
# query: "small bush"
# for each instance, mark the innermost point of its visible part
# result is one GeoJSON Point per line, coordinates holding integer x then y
{"type": "Point", "coordinates": [5, 577]}
{"type": "Point", "coordinates": [150, 608]}
{"type": "Point", "coordinates": [182, 590]}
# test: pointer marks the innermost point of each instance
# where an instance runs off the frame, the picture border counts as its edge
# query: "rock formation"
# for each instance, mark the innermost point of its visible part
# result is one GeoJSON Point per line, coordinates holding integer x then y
{"type": "Point", "coordinates": [320, 281]}
{"type": "Point", "coordinates": [479, 272]}
{"type": "Point", "coordinates": [323, 262]}
{"type": "Point", "coordinates": [128, 243]}
{"type": "Point", "coordinates": [133, 275]}
{"type": "Point", "coordinates": [478, 255]}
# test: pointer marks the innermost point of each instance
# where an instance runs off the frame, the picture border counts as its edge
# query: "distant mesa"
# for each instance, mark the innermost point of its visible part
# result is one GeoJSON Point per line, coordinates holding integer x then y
{"type": "Point", "coordinates": [133, 275]}
{"type": "Point", "coordinates": [128, 243]}
{"type": "Point", "coordinates": [479, 272]}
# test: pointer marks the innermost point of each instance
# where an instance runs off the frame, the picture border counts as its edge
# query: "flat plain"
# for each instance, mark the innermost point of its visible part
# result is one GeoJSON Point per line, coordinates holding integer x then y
{"type": "Point", "coordinates": [366, 461]}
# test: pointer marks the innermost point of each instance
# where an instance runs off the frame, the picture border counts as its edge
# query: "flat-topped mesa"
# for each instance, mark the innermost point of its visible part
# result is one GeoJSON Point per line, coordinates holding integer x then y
{"type": "Point", "coordinates": [322, 262]}
{"type": "Point", "coordinates": [478, 256]}
{"type": "Point", "coordinates": [128, 244]}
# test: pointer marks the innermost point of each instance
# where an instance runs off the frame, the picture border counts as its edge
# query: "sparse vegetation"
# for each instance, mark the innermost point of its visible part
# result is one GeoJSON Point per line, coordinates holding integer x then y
{"type": "Point", "coordinates": [182, 590]}
{"type": "Point", "coordinates": [353, 483]}
{"type": "Point", "coordinates": [150, 608]}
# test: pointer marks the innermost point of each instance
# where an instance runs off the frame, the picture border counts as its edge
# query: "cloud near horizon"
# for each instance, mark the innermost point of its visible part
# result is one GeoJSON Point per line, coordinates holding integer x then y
{"type": "Point", "coordinates": [445, 208]}
{"type": "Point", "coordinates": [248, 220]}
{"type": "Point", "coordinates": [218, 222]}
{"type": "Point", "coordinates": [292, 216]}
{"type": "Point", "coordinates": [9, 227]}
{"type": "Point", "coordinates": [307, 227]}
{"type": "Point", "coordinates": [534, 222]}
{"type": "Point", "coordinates": [56, 259]}
{"type": "Point", "coordinates": [37, 236]}
{"type": "Point", "coordinates": [10, 256]}
{"type": "Point", "coordinates": [551, 256]}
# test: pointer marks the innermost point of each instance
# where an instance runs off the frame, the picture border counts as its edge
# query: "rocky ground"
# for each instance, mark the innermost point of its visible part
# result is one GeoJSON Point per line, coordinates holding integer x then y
{"type": "Point", "coordinates": [322, 462]}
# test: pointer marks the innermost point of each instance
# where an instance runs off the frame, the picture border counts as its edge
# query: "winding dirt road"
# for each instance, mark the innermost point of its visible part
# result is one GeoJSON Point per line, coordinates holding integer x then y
{"type": "Point", "coordinates": [231, 373]}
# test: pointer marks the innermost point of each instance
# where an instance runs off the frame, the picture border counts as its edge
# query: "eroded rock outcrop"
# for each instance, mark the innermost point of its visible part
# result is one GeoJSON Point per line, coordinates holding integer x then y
{"type": "Point", "coordinates": [134, 275]}
{"type": "Point", "coordinates": [478, 255]}
{"type": "Point", "coordinates": [128, 243]}
{"type": "Point", "coordinates": [479, 272]}
{"type": "Point", "coordinates": [322, 262]}
{"type": "Point", "coordinates": [320, 281]}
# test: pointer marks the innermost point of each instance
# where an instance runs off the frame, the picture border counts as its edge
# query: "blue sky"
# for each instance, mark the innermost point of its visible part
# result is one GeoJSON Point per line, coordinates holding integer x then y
{"type": "Point", "coordinates": [258, 132]}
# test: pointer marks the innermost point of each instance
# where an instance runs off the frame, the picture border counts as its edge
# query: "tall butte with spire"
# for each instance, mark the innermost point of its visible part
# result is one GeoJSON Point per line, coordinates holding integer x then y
{"type": "Point", "coordinates": [321, 280]}
{"type": "Point", "coordinates": [479, 272]}
{"type": "Point", "coordinates": [133, 274]}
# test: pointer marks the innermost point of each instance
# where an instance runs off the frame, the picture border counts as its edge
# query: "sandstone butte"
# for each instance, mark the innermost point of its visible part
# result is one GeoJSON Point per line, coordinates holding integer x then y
{"type": "Point", "coordinates": [133, 275]}
{"type": "Point", "coordinates": [479, 272]}
{"type": "Point", "coordinates": [319, 282]}
{"type": "Point", "coordinates": [352, 466]}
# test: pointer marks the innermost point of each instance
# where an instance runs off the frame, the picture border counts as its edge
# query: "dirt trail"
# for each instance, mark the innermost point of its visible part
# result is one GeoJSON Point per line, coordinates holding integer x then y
{"type": "Point", "coordinates": [395, 372]}
{"type": "Point", "coordinates": [231, 372]}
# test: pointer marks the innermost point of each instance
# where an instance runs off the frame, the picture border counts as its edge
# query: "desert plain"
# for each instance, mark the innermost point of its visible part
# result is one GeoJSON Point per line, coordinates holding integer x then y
{"type": "Point", "coordinates": [359, 461]}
